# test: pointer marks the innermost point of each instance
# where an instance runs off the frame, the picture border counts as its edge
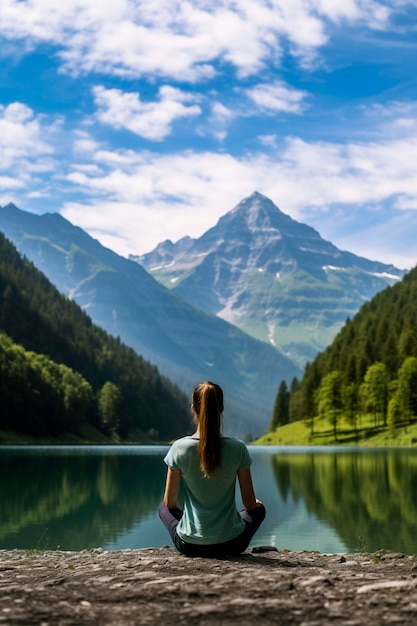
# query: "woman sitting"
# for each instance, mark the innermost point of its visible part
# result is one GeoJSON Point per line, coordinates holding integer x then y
{"type": "Point", "coordinates": [208, 464]}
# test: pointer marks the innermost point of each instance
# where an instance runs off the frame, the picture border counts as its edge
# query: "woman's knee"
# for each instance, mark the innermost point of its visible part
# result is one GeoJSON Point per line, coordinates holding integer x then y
{"type": "Point", "coordinates": [260, 512]}
{"type": "Point", "coordinates": [257, 514]}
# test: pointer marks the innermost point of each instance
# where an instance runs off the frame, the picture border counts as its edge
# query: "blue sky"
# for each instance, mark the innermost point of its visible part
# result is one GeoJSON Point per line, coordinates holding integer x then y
{"type": "Point", "coordinates": [145, 120]}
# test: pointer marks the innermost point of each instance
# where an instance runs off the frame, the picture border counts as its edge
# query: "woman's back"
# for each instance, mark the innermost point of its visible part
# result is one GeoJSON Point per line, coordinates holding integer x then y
{"type": "Point", "coordinates": [210, 513]}
{"type": "Point", "coordinates": [208, 465]}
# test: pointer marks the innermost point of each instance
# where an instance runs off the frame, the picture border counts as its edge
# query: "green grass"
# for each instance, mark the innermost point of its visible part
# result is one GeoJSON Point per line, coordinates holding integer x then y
{"type": "Point", "coordinates": [299, 434]}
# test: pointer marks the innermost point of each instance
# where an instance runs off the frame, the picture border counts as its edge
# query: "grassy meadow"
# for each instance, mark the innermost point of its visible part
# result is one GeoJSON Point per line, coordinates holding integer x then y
{"type": "Point", "coordinates": [367, 434]}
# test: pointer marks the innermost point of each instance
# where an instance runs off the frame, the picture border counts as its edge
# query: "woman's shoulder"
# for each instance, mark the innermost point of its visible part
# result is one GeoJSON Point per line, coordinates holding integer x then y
{"type": "Point", "coordinates": [233, 442]}
{"type": "Point", "coordinates": [236, 452]}
{"type": "Point", "coordinates": [185, 442]}
{"type": "Point", "coordinates": [180, 449]}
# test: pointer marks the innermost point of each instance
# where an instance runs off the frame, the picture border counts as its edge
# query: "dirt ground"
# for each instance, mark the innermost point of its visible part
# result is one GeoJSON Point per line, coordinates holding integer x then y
{"type": "Point", "coordinates": [159, 586]}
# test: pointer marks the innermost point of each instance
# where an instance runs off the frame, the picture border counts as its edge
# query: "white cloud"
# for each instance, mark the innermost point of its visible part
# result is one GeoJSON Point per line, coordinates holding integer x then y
{"type": "Point", "coordinates": [352, 173]}
{"type": "Point", "coordinates": [399, 119]}
{"type": "Point", "coordinates": [221, 114]}
{"type": "Point", "coordinates": [309, 181]}
{"type": "Point", "coordinates": [7, 182]}
{"type": "Point", "coordinates": [302, 174]}
{"type": "Point", "coordinates": [270, 141]}
{"type": "Point", "coordinates": [25, 148]}
{"type": "Point", "coordinates": [218, 122]}
{"type": "Point", "coordinates": [376, 14]}
{"type": "Point", "coordinates": [151, 120]}
{"type": "Point", "coordinates": [165, 41]}
{"type": "Point", "coordinates": [141, 195]}
{"type": "Point", "coordinates": [277, 97]}
{"type": "Point", "coordinates": [21, 135]}
{"type": "Point", "coordinates": [180, 39]}
{"type": "Point", "coordinates": [84, 143]}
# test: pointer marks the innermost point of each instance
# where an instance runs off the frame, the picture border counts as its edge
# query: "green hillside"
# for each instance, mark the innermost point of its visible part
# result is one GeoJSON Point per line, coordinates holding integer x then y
{"type": "Point", "coordinates": [363, 387]}
{"type": "Point", "coordinates": [68, 376]}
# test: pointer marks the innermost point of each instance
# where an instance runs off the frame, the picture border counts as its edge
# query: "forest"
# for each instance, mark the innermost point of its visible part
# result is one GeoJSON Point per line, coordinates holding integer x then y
{"type": "Point", "coordinates": [368, 373]}
{"type": "Point", "coordinates": [61, 374]}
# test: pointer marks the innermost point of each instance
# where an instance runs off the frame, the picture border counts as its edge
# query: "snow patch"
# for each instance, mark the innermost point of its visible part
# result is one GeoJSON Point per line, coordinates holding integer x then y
{"type": "Point", "coordinates": [310, 250]}
{"type": "Point", "coordinates": [174, 280]}
{"type": "Point", "coordinates": [334, 268]}
{"type": "Point", "coordinates": [155, 268]}
{"type": "Point", "coordinates": [385, 275]}
{"type": "Point", "coordinates": [271, 331]}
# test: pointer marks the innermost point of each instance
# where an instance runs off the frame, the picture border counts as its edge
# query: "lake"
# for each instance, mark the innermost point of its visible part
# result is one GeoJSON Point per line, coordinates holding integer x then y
{"type": "Point", "coordinates": [327, 499]}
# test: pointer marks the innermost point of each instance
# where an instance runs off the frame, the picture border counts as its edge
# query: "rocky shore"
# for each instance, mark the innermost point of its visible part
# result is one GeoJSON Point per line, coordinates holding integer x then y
{"type": "Point", "coordinates": [159, 586]}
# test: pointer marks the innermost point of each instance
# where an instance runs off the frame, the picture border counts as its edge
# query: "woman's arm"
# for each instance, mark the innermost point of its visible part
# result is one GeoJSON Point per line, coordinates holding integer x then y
{"type": "Point", "coordinates": [172, 487]}
{"type": "Point", "coordinates": [246, 489]}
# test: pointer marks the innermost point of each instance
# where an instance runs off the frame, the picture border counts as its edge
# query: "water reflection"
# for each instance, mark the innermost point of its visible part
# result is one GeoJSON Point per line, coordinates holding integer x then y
{"type": "Point", "coordinates": [327, 500]}
{"type": "Point", "coordinates": [367, 497]}
{"type": "Point", "coordinates": [75, 499]}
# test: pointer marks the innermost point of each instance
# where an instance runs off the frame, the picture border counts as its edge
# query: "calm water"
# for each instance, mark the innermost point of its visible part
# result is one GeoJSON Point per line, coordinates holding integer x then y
{"type": "Point", "coordinates": [331, 500]}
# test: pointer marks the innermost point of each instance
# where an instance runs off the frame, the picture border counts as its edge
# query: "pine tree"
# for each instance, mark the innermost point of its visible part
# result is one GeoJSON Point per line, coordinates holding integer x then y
{"type": "Point", "coordinates": [281, 415]}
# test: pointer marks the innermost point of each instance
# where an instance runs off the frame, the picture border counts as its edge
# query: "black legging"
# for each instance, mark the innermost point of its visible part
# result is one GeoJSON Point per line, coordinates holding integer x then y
{"type": "Point", "coordinates": [253, 519]}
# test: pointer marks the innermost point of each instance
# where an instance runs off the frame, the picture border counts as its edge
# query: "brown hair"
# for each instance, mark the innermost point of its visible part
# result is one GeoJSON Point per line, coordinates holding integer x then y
{"type": "Point", "coordinates": [208, 406]}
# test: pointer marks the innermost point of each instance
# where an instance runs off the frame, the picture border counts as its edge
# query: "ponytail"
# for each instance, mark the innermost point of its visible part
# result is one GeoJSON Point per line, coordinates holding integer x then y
{"type": "Point", "coordinates": [208, 406]}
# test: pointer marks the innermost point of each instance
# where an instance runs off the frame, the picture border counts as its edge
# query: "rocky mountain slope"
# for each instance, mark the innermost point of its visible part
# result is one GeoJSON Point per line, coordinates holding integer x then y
{"type": "Point", "coordinates": [271, 276]}
{"type": "Point", "coordinates": [186, 343]}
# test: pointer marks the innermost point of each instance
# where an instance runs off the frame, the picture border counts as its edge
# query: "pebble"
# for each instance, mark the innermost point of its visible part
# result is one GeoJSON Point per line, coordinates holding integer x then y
{"type": "Point", "coordinates": [158, 585]}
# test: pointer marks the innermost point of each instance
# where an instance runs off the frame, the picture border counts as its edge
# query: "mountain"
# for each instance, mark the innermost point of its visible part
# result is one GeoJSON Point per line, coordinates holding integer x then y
{"type": "Point", "coordinates": [271, 276]}
{"type": "Point", "coordinates": [61, 374]}
{"type": "Point", "coordinates": [186, 343]}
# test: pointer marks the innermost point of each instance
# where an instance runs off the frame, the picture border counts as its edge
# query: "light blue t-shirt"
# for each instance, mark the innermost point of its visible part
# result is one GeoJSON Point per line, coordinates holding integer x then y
{"type": "Point", "coordinates": [210, 513]}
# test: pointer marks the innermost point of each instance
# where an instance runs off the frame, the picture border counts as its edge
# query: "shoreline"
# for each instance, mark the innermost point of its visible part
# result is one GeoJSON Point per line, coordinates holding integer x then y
{"type": "Point", "coordinates": [157, 585]}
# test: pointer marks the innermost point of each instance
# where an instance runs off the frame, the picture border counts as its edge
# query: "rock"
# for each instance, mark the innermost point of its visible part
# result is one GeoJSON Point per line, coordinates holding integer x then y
{"type": "Point", "coordinates": [386, 584]}
{"type": "Point", "coordinates": [158, 585]}
{"type": "Point", "coordinates": [259, 549]}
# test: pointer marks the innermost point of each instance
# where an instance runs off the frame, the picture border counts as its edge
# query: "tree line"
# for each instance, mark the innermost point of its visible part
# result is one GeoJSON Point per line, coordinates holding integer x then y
{"type": "Point", "coordinates": [369, 369]}
{"type": "Point", "coordinates": [59, 370]}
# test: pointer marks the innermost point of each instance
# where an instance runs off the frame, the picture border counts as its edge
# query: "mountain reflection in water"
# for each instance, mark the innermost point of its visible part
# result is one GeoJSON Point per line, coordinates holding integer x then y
{"type": "Point", "coordinates": [331, 500]}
